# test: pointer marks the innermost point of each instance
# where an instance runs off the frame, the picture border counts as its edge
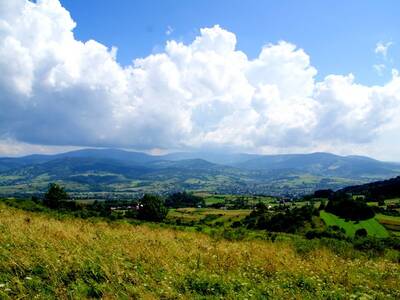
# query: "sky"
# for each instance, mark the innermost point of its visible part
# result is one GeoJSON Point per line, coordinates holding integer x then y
{"type": "Point", "coordinates": [161, 76]}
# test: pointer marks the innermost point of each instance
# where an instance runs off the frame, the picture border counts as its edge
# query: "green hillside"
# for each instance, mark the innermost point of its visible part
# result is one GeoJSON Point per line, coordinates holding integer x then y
{"type": "Point", "coordinates": [373, 227]}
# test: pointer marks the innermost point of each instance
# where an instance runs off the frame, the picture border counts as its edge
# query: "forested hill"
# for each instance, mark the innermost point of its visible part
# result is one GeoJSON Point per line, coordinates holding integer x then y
{"type": "Point", "coordinates": [380, 189]}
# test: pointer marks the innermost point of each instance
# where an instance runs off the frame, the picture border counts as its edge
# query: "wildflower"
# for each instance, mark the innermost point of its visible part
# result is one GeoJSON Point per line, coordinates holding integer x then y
{"type": "Point", "coordinates": [28, 278]}
{"type": "Point", "coordinates": [2, 285]}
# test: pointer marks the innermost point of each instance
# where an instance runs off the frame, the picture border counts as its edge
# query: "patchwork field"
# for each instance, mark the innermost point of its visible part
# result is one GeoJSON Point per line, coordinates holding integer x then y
{"type": "Point", "coordinates": [221, 198]}
{"type": "Point", "coordinates": [391, 223]}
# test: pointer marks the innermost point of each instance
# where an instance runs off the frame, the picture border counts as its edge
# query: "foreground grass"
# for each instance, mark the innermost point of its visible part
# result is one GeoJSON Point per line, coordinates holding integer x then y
{"type": "Point", "coordinates": [44, 257]}
{"type": "Point", "coordinates": [373, 227]}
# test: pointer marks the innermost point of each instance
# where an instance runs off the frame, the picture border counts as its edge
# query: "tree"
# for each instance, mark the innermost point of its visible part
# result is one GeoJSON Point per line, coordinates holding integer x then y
{"type": "Point", "coordinates": [289, 220]}
{"type": "Point", "coordinates": [322, 205]}
{"type": "Point", "coordinates": [323, 193]}
{"type": "Point", "coordinates": [184, 199]}
{"type": "Point", "coordinates": [152, 208]}
{"type": "Point", "coordinates": [55, 195]}
{"type": "Point", "coordinates": [342, 205]}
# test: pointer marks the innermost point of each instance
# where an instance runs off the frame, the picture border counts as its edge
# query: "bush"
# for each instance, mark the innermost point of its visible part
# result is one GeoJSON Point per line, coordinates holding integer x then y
{"type": "Point", "coordinates": [234, 234]}
{"type": "Point", "coordinates": [361, 233]}
{"type": "Point", "coordinates": [332, 232]}
{"type": "Point", "coordinates": [370, 244]}
{"type": "Point", "coordinates": [322, 205]}
{"type": "Point", "coordinates": [236, 224]}
{"type": "Point", "coordinates": [217, 205]}
{"type": "Point", "coordinates": [25, 204]}
{"type": "Point", "coordinates": [209, 218]}
{"type": "Point", "coordinates": [131, 213]}
{"type": "Point", "coordinates": [304, 247]}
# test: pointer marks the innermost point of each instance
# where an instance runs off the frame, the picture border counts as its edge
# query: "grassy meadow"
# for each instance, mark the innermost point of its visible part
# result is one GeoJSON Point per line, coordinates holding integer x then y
{"type": "Point", "coordinates": [226, 198]}
{"type": "Point", "coordinates": [44, 256]}
{"type": "Point", "coordinates": [209, 216]}
{"type": "Point", "coordinates": [373, 227]}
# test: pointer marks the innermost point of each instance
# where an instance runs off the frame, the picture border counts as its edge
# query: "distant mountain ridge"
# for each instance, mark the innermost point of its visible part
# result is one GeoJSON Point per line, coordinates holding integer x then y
{"type": "Point", "coordinates": [321, 163]}
{"type": "Point", "coordinates": [115, 170]}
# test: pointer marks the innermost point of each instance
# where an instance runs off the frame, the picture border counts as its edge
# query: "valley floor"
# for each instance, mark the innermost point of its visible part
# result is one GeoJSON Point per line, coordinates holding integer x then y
{"type": "Point", "coordinates": [45, 257]}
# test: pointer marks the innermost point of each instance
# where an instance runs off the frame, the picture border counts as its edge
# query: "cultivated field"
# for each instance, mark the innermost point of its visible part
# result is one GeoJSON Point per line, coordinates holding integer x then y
{"type": "Point", "coordinates": [391, 223]}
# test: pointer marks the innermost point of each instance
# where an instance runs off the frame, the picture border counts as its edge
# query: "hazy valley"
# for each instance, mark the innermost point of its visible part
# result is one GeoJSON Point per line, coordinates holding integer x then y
{"type": "Point", "coordinates": [126, 174]}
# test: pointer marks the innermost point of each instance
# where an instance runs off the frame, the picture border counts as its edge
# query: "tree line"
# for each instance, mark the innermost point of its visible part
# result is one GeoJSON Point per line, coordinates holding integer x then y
{"type": "Point", "coordinates": [149, 207]}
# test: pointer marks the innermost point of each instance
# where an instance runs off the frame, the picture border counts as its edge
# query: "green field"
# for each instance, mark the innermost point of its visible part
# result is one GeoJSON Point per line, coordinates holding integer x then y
{"type": "Point", "coordinates": [209, 216]}
{"type": "Point", "coordinates": [373, 227]}
{"type": "Point", "coordinates": [227, 198]}
{"type": "Point", "coordinates": [387, 201]}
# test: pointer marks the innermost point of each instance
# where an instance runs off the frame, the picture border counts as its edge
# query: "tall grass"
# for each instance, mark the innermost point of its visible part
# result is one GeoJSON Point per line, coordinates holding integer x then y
{"type": "Point", "coordinates": [43, 257]}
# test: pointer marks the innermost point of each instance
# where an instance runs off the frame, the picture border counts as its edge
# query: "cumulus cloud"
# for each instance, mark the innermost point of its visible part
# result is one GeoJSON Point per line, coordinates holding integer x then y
{"type": "Point", "coordinates": [57, 90]}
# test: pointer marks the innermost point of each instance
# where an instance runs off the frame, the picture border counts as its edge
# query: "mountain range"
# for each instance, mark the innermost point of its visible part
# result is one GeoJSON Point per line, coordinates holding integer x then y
{"type": "Point", "coordinates": [106, 172]}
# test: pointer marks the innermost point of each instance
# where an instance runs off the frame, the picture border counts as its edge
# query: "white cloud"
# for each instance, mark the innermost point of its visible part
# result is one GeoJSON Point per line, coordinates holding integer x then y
{"type": "Point", "coordinates": [382, 48]}
{"type": "Point", "coordinates": [379, 68]}
{"type": "Point", "coordinates": [355, 113]}
{"type": "Point", "coordinates": [56, 90]}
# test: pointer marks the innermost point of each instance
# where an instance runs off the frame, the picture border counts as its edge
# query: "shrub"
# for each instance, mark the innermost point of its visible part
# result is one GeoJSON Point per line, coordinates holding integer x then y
{"type": "Point", "coordinates": [304, 247]}
{"type": "Point", "coordinates": [361, 233]}
{"type": "Point", "coordinates": [370, 244]}
{"type": "Point", "coordinates": [322, 205]}
{"type": "Point", "coordinates": [234, 234]}
{"type": "Point", "coordinates": [392, 242]}
{"type": "Point", "coordinates": [332, 232]}
{"type": "Point", "coordinates": [236, 224]}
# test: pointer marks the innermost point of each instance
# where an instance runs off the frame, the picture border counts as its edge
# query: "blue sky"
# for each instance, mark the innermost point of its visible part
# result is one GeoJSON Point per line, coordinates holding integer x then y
{"type": "Point", "coordinates": [340, 36]}
{"type": "Point", "coordinates": [161, 76]}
